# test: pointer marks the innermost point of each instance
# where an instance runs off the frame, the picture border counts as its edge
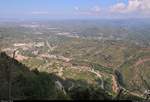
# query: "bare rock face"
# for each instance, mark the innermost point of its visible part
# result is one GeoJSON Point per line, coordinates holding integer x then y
{"type": "Point", "coordinates": [147, 94]}
{"type": "Point", "coordinates": [59, 86]}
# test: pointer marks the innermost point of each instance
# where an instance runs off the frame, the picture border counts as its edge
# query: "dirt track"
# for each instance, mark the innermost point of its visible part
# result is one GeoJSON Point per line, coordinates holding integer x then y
{"type": "Point", "coordinates": [141, 61]}
{"type": "Point", "coordinates": [114, 84]}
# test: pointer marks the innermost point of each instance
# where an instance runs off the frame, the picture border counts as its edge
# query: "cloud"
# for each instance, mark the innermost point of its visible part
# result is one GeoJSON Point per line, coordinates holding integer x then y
{"type": "Point", "coordinates": [133, 8]}
{"type": "Point", "coordinates": [117, 8]}
{"type": "Point", "coordinates": [40, 12]}
{"type": "Point", "coordinates": [145, 6]}
{"type": "Point", "coordinates": [138, 6]}
{"type": "Point", "coordinates": [95, 10]}
{"type": "Point", "coordinates": [76, 8]}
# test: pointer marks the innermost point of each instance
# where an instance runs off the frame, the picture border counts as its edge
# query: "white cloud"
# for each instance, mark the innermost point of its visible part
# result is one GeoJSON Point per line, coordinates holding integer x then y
{"type": "Point", "coordinates": [119, 7]}
{"type": "Point", "coordinates": [76, 8]}
{"type": "Point", "coordinates": [133, 5]}
{"type": "Point", "coordinates": [40, 12]}
{"type": "Point", "coordinates": [140, 6]}
{"type": "Point", "coordinates": [96, 9]}
{"type": "Point", "coordinates": [145, 6]}
{"type": "Point", "coordinates": [133, 8]}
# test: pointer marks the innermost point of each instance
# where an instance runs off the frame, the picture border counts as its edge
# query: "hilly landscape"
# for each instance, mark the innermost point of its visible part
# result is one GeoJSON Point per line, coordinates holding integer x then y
{"type": "Point", "coordinates": [75, 60]}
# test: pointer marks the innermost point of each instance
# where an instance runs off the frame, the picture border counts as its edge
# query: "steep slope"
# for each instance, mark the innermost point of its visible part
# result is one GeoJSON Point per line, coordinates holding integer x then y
{"type": "Point", "coordinates": [27, 84]}
{"type": "Point", "coordinates": [136, 72]}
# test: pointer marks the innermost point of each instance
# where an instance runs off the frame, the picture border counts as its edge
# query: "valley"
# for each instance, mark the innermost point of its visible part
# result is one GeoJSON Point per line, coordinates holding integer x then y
{"type": "Point", "coordinates": [81, 53]}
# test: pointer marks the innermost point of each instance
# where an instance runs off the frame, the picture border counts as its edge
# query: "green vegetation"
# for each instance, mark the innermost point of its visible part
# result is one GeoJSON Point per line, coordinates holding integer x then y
{"type": "Point", "coordinates": [102, 68]}
{"type": "Point", "coordinates": [37, 85]}
{"type": "Point", "coordinates": [82, 57]}
{"type": "Point", "coordinates": [133, 70]}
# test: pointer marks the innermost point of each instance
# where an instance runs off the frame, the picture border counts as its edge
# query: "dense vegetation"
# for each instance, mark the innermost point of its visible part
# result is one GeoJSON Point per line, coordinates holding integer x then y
{"type": "Point", "coordinates": [33, 84]}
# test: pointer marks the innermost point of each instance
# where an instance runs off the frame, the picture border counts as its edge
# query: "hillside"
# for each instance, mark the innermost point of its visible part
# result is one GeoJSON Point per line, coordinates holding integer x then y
{"type": "Point", "coordinates": [32, 84]}
{"type": "Point", "coordinates": [135, 72]}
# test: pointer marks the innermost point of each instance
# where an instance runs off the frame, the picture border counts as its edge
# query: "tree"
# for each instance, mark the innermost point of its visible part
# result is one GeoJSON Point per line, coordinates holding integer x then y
{"type": "Point", "coordinates": [9, 69]}
{"type": "Point", "coordinates": [1, 41]}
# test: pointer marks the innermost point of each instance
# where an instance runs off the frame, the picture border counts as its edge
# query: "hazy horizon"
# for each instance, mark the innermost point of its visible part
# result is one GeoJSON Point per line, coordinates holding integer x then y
{"type": "Point", "coordinates": [73, 9]}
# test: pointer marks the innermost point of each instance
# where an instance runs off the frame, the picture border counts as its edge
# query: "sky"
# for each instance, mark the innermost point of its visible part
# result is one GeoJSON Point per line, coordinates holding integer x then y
{"type": "Point", "coordinates": [59, 9]}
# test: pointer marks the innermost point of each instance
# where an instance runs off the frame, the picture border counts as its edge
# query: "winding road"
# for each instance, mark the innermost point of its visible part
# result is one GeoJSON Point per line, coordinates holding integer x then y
{"type": "Point", "coordinates": [99, 76]}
